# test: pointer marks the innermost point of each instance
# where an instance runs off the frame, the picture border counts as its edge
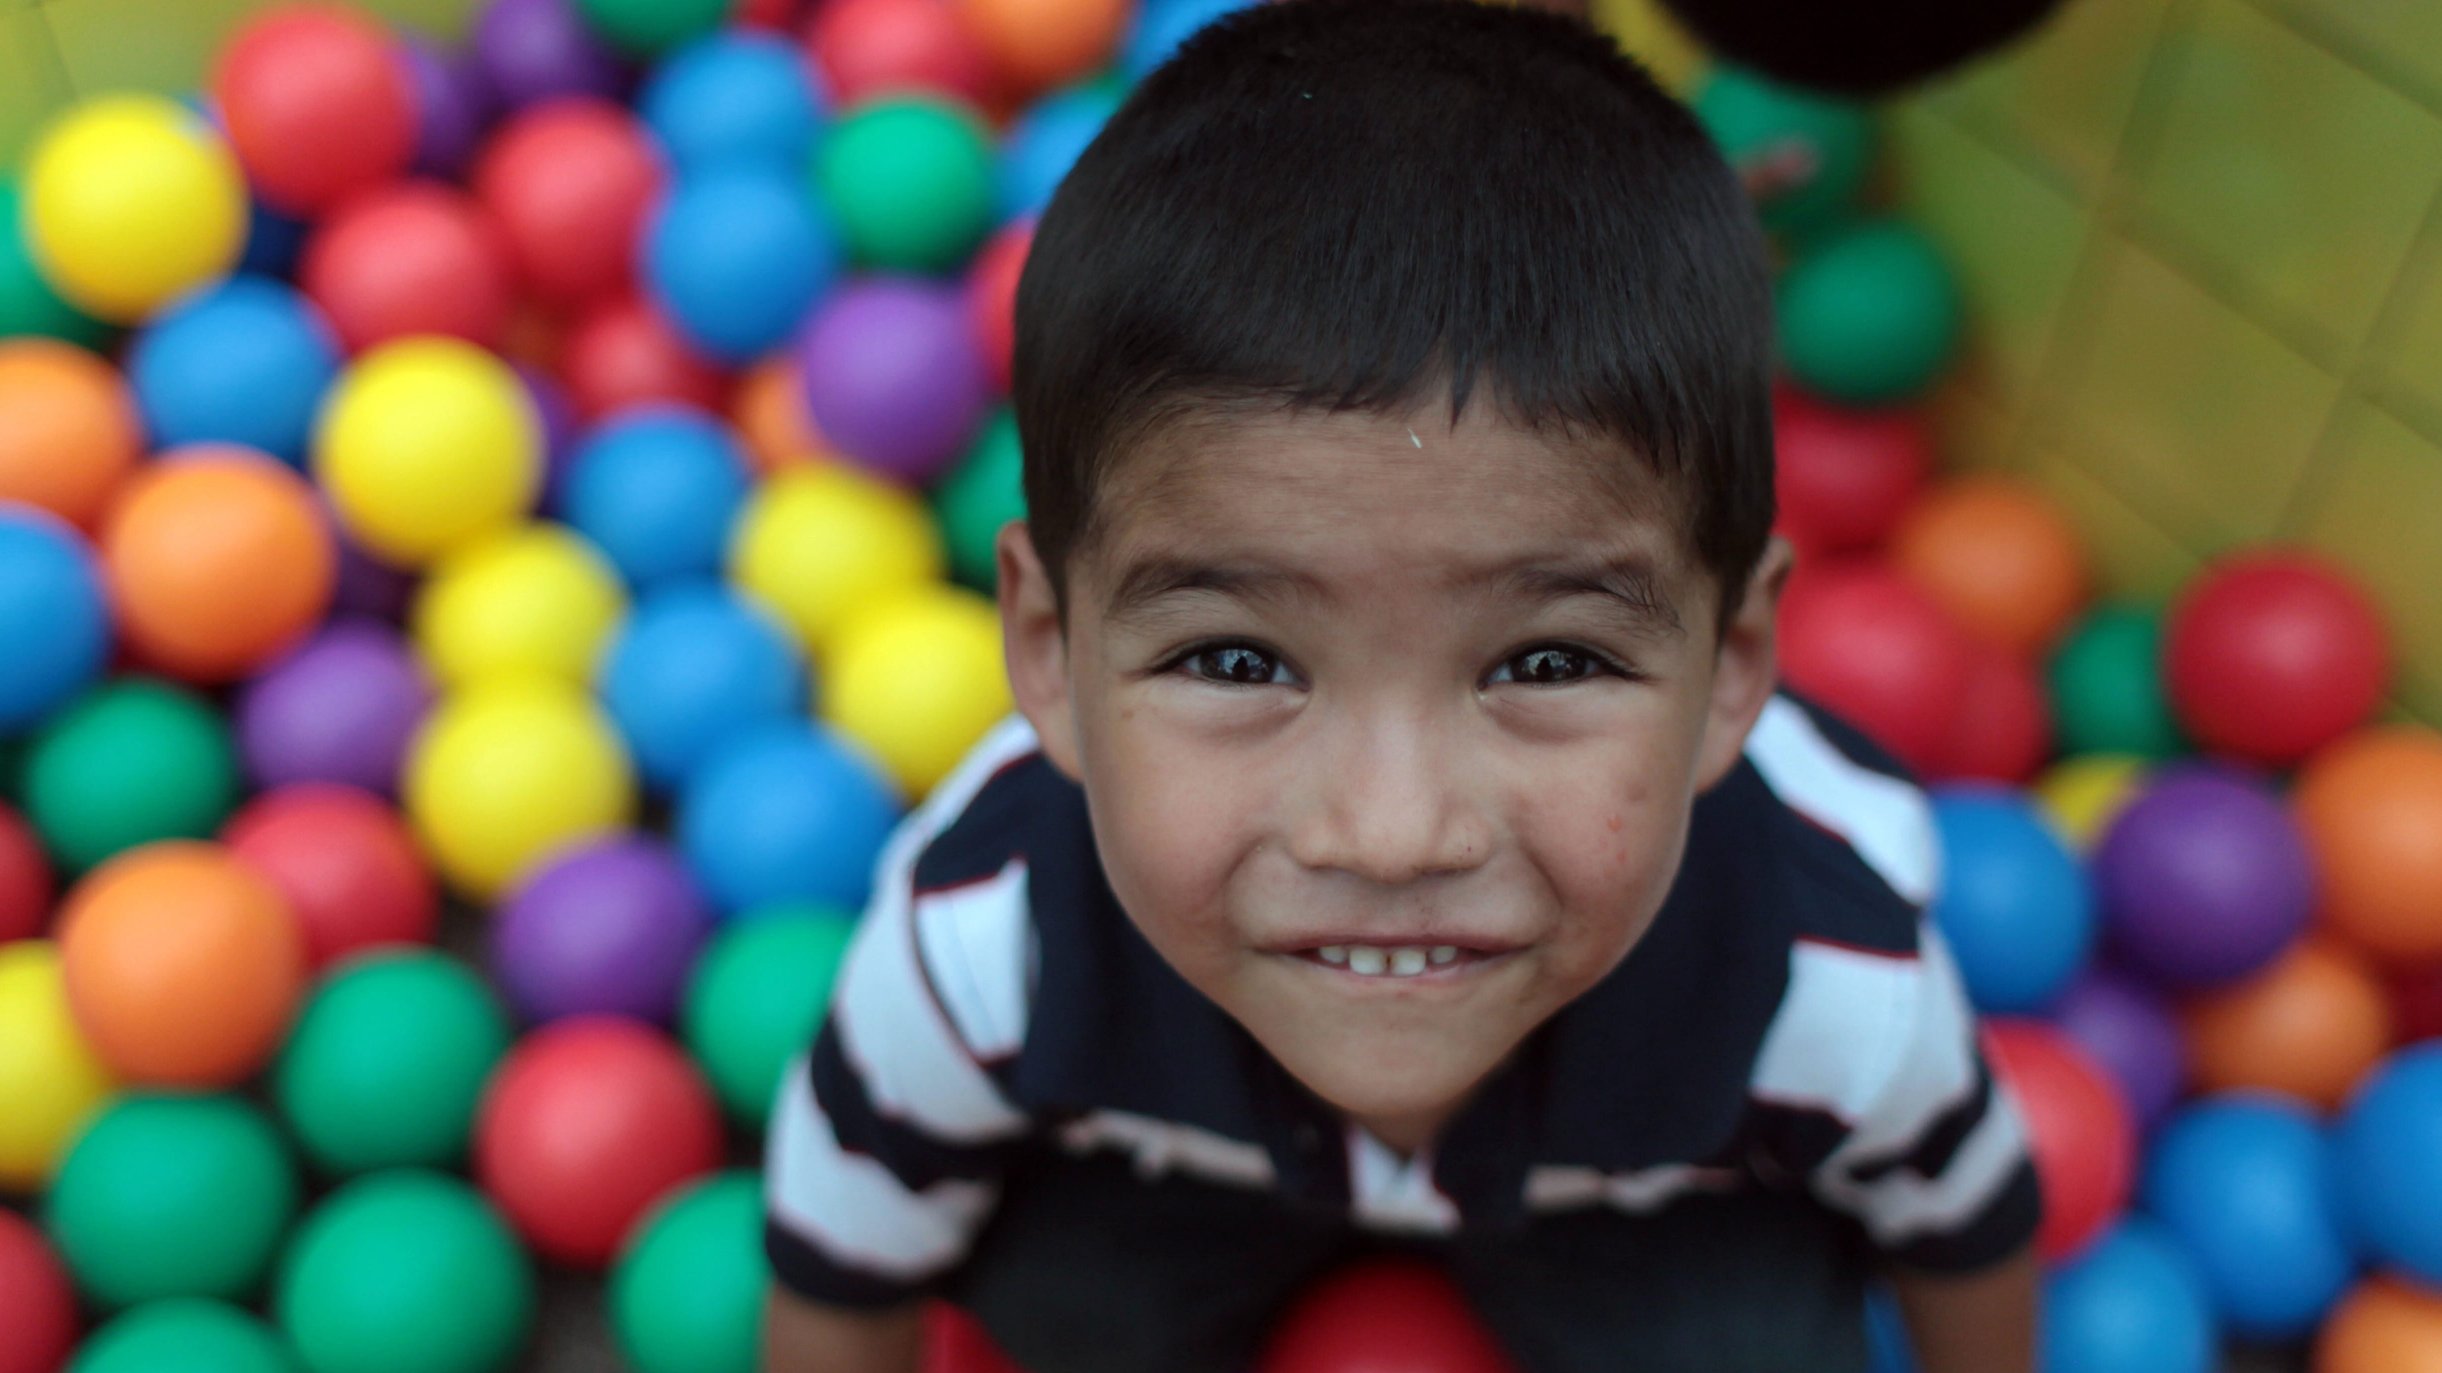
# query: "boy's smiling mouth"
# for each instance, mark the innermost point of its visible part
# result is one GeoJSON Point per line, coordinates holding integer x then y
{"type": "Point", "coordinates": [1399, 962]}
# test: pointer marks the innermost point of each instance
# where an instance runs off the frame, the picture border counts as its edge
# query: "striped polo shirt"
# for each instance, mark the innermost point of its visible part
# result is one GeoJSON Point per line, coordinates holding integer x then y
{"type": "Point", "coordinates": [1791, 1020]}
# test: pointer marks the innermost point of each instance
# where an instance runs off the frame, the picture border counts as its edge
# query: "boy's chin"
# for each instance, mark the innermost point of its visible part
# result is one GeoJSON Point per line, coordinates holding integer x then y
{"type": "Point", "coordinates": [1403, 1083]}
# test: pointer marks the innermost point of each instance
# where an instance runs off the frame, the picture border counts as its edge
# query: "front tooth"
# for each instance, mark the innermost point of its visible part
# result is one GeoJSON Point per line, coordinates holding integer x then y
{"type": "Point", "coordinates": [1444, 953]}
{"type": "Point", "coordinates": [1407, 962]}
{"type": "Point", "coordinates": [1334, 954]}
{"type": "Point", "coordinates": [1366, 960]}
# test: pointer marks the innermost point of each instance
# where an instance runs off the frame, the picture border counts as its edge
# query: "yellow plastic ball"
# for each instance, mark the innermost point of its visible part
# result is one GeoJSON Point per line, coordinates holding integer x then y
{"type": "Point", "coordinates": [426, 445]}
{"type": "Point", "coordinates": [510, 771]}
{"type": "Point", "coordinates": [2084, 794]}
{"type": "Point", "coordinates": [537, 600]}
{"type": "Point", "coordinates": [49, 1075]}
{"type": "Point", "coordinates": [819, 543]}
{"type": "Point", "coordinates": [917, 677]}
{"type": "Point", "coordinates": [131, 201]}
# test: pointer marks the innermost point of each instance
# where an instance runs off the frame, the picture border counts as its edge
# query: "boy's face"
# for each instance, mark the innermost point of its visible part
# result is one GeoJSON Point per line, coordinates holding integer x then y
{"type": "Point", "coordinates": [1389, 729]}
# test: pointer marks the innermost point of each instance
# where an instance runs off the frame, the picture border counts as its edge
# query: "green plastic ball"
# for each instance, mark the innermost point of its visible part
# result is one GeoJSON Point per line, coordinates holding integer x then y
{"type": "Point", "coordinates": [641, 28]}
{"type": "Point", "coordinates": [985, 491]}
{"type": "Point", "coordinates": [1869, 315]}
{"type": "Point", "coordinates": [388, 1062]}
{"type": "Point", "coordinates": [909, 180]}
{"type": "Point", "coordinates": [756, 997]}
{"type": "Point", "coordinates": [2107, 690]}
{"type": "Point", "coordinates": [1752, 117]}
{"type": "Point", "coordinates": [406, 1272]}
{"type": "Point", "coordinates": [28, 305]}
{"type": "Point", "coordinates": [688, 1295]}
{"type": "Point", "coordinates": [173, 1196]}
{"type": "Point", "coordinates": [133, 761]}
{"type": "Point", "coordinates": [190, 1336]}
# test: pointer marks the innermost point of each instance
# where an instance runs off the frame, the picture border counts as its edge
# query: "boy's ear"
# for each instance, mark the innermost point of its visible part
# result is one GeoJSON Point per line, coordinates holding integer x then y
{"type": "Point", "coordinates": [1746, 665]}
{"type": "Point", "coordinates": [1034, 647]}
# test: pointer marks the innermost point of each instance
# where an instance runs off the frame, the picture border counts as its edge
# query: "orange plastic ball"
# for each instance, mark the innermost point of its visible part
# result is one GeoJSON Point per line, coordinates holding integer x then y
{"type": "Point", "coordinates": [771, 411]}
{"type": "Point", "coordinates": [2371, 807]}
{"type": "Point", "coordinates": [2310, 1025]}
{"type": "Point", "coordinates": [68, 428]}
{"type": "Point", "coordinates": [218, 560]}
{"type": "Point", "coordinates": [2384, 1326]}
{"type": "Point", "coordinates": [1999, 556]}
{"type": "Point", "coordinates": [183, 965]}
{"type": "Point", "coordinates": [1039, 44]}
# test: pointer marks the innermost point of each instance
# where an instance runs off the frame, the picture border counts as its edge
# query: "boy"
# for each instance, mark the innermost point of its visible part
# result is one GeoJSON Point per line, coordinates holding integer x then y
{"type": "Point", "coordinates": [1400, 843]}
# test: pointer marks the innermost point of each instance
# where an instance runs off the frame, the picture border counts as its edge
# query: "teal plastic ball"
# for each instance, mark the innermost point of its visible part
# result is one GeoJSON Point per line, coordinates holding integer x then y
{"type": "Point", "coordinates": [1870, 315]}
{"type": "Point", "coordinates": [173, 1196]}
{"type": "Point", "coordinates": [757, 996]}
{"type": "Point", "coordinates": [1755, 121]}
{"type": "Point", "coordinates": [386, 1065]}
{"type": "Point", "coordinates": [189, 1335]}
{"type": "Point", "coordinates": [406, 1272]}
{"type": "Point", "coordinates": [985, 491]}
{"type": "Point", "coordinates": [688, 1295]}
{"type": "Point", "coordinates": [910, 181]}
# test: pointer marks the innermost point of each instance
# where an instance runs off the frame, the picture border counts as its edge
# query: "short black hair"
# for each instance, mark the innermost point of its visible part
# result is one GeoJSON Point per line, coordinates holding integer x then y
{"type": "Point", "coordinates": [1366, 204]}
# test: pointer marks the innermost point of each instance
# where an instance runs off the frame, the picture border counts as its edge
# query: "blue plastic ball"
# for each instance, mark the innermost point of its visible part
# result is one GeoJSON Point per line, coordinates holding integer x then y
{"type": "Point", "coordinates": [2014, 906]}
{"type": "Point", "coordinates": [2388, 1151]}
{"type": "Point", "coordinates": [657, 489]}
{"type": "Point", "coordinates": [1164, 24]}
{"type": "Point", "coordinates": [1888, 1348]}
{"type": "Point", "coordinates": [2243, 1182]}
{"type": "Point", "coordinates": [695, 667]}
{"type": "Point", "coordinates": [245, 362]}
{"type": "Point", "coordinates": [2133, 1302]}
{"type": "Point", "coordinates": [737, 256]}
{"type": "Point", "coordinates": [54, 616]}
{"type": "Point", "coordinates": [732, 98]}
{"type": "Point", "coordinates": [273, 243]}
{"type": "Point", "coordinates": [788, 813]}
{"type": "Point", "coordinates": [1047, 142]}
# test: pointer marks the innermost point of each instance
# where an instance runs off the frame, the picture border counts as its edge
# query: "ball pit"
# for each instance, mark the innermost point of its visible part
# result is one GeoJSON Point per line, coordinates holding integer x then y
{"type": "Point", "coordinates": [1845, 478]}
{"type": "Point", "coordinates": [1753, 118]}
{"type": "Point", "coordinates": [1868, 644]}
{"type": "Point", "coordinates": [530, 51]}
{"type": "Point", "coordinates": [2383, 1327]}
{"type": "Point", "coordinates": [2107, 690]}
{"type": "Point", "coordinates": [568, 181]}
{"type": "Point", "coordinates": [908, 179]}
{"type": "Point", "coordinates": [29, 308]}
{"type": "Point", "coordinates": [25, 879]}
{"type": "Point", "coordinates": [866, 47]}
{"type": "Point", "coordinates": [2130, 1033]}
{"type": "Point", "coordinates": [452, 104]}
{"type": "Point", "coordinates": [2082, 795]}
{"type": "Point", "coordinates": [992, 297]}
{"type": "Point", "coordinates": [624, 352]}
{"type": "Point", "coordinates": [1868, 314]}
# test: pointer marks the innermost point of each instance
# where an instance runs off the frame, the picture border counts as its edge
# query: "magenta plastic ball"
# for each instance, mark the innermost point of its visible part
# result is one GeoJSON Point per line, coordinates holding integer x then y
{"type": "Point", "coordinates": [2132, 1034]}
{"type": "Point", "coordinates": [893, 377]}
{"type": "Point", "coordinates": [341, 708]}
{"type": "Point", "coordinates": [613, 928]}
{"type": "Point", "coordinates": [531, 50]}
{"type": "Point", "coordinates": [2204, 878]}
{"type": "Point", "coordinates": [453, 106]}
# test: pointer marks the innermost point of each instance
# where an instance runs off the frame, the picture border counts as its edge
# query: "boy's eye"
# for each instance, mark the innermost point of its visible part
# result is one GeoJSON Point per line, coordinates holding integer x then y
{"type": "Point", "coordinates": [1230, 665]}
{"type": "Point", "coordinates": [1553, 665]}
{"type": "Point", "coordinates": [1543, 665]}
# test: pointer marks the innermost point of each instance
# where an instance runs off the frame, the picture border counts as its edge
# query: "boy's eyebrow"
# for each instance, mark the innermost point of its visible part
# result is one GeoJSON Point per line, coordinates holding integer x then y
{"type": "Point", "coordinates": [1626, 585]}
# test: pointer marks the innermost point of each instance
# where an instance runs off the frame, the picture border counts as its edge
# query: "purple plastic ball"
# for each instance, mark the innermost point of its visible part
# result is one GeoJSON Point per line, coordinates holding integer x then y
{"type": "Point", "coordinates": [342, 708]}
{"type": "Point", "coordinates": [893, 377]}
{"type": "Point", "coordinates": [2132, 1035]}
{"type": "Point", "coordinates": [611, 928]}
{"type": "Point", "coordinates": [2204, 878]}
{"type": "Point", "coordinates": [530, 50]}
{"type": "Point", "coordinates": [559, 417]}
{"type": "Point", "coordinates": [452, 107]}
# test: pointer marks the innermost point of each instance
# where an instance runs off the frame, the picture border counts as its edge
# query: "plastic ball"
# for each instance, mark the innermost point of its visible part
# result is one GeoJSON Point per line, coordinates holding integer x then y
{"type": "Point", "coordinates": [25, 879]}
{"type": "Point", "coordinates": [1869, 314]}
{"type": "Point", "coordinates": [509, 772]}
{"type": "Point", "coordinates": [2311, 1025]}
{"type": "Point", "coordinates": [1999, 556]}
{"type": "Point", "coordinates": [992, 283]}
{"type": "Point", "coordinates": [612, 928]}
{"type": "Point", "coordinates": [2385, 1326]}
{"type": "Point", "coordinates": [917, 678]}
{"type": "Point", "coordinates": [37, 1301]}
{"type": "Point", "coordinates": [735, 256]}
{"type": "Point", "coordinates": [2129, 1033]}
{"type": "Point", "coordinates": [817, 543]}
{"type": "Point", "coordinates": [687, 1296]}
{"type": "Point", "coordinates": [1866, 643]}
{"type": "Point", "coordinates": [427, 445]}
{"type": "Point", "coordinates": [642, 28]}
{"type": "Point", "coordinates": [1757, 121]}
{"type": "Point", "coordinates": [173, 1196]}
{"type": "Point", "coordinates": [535, 601]}
{"type": "Point", "coordinates": [756, 999]}
{"type": "Point", "coordinates": [2384, 1151]}
{"type": "Point", "coordinates": [531, 51]}
{"type": "Point", "coordinates": [559, 416]}
{"type": "Point", "coordinates": [369, 587]}
{"type": "Point", "coordinates": [2001, 727]}
{"type": "Point", "coordinates": [49, 1073]}
{"type": "Point", "coordinates": [1161, 25]}
{"type": "Point", "coordinates": [2014, 904]}
{"type": "Point", "coordinates": [74, 430]}
{"type": "Point", "coordinates": [657, 490]}
{"type": "Point", "coordinates": [569, 182]}
{"type": "Point", "coordinates": [273, 243]}
{"type": "Point", "coordinates": [1047, 141]}
{"type": "Point", "coordinates": [2204, 878]}
{"type": "Point", "coordinates": [29, 308]}
{"type": "Point", "coordinates": [131, 762]}
{"type": "Point", "coordinates": [908, 178]}
{"type": "Point", "coordinates": [130, 202]}
{"type": "Point", "coordinates": [219, 561]}
{"type": "Point", "coordinates": [2078, 1126]}
{"type": "Point", "coordinates": [2107, 686]}
{"type": "Point", "coordinates": [770, 412]}
{"type": "Point", "coordinates": [2270, 656]}
{"type": "Point", "coordinates": [788, 813]}
{"type": "Point", "coordinates": [2369, 806]}
{"type": "Point", "coordinates": [2243, 1182]}
{"type": "Point", "coordinates": [588, 1124]}
{"type": "Point", "coordinates": [985, 491]}
{"type": "Point", "coordinates": [342, 708]}
{"type": "Point", "coordinates": [2416, 1002]}
{"type": "Point", "coordinates": [388, 1062]}
{"type": "Point", "coordinates": [893, 377]}
{"type": "Point", "coordinates": [1845, 478]}
{"type": "Point", "coordinates": [626, 353]}
{"type": "Point", "coordinates": [415, 258]}
{"type": "Point", "coordinates": [1384, 1313]}
{"type": "Point", "coordinates": [244, 363]}
{"type": "Point", "coordinates": [319, 105]}
{"type": "Point", "coordinates": [406, 1260]}
{"type": "Point", "coordinates": [694, 668]}
{"type": "Point", "coordinates": [2083, 795]}
{"type": "Point", "coordinates": [1038, 44]}
{"type": "Point", "coordinates": [2134, 1303]}
{"type": "Point", "coordinates": [733, 99]}
{"type": "Point", "coordinates": [188, 1334]}
{"type": "Point", "coordinates": [865, 48]}
{"type": "Point", "coordinates": [346, 863]}
{"type": "Point", "coordinates": [453, 107]}
{"type": "Point", "coordinates": [54, 616]}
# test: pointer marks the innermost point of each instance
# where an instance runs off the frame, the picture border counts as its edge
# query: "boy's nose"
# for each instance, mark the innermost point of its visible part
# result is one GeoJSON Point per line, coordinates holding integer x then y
{"type": "Point", "coordinates": [1388, 803]}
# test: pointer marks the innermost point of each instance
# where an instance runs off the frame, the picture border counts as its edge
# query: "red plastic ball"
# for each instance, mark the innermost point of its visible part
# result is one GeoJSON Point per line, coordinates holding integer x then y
{"type": "Point", "coordinates": [26, 887]}
{"type": "Point", "coordinates": [586, 1124]}
{"type": "Point", "coordinates": [1845, 478]}
{"type": "Point", "coordinates": [2270, 656]}
{"type": "Point", "coordinates": [570, 182]}
{"type": "Point", "coordinates": [318, 103]}
{"type": "Point", "coordinates": [772, 16]}
{"type": "Point", "coordinates": [347, 863]}
{"type": "Point", "coordinates": [1386, 1316]}
{"type": "Point", "coordinates": [415, 258]}
{"type": "Point", "coordinates": [37, 1302]}
{"type": "Point", "coordinates": [2416, 1003]}
{"type": "Point", "coordinates": [624, 352]}
{"type": "Point", "coordinates": [992, 297]}
{"type": "Point", "coordinates": [2002, 731]}
{"type": "Point", "coordinates": [2078, 1123]}
{"type": "Point", "coordinates": [862, 48]}
{"type": "Point", "coordinates": [955, 1343]}
{"type": "Point", "coordinates": [1869, 645]}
